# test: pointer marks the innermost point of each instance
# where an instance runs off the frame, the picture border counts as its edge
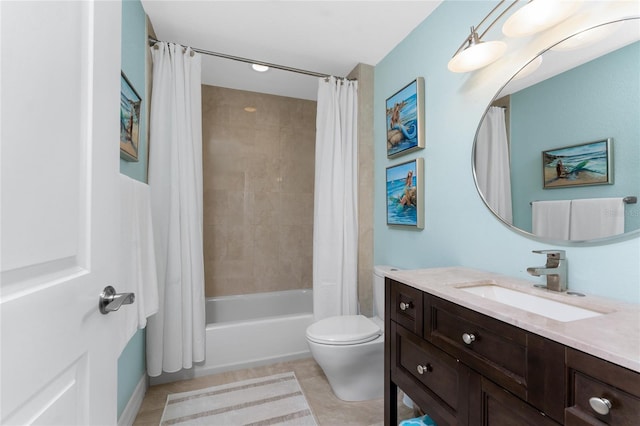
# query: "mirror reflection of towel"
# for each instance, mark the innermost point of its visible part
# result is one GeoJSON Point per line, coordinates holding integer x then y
{"type": "Point", "coordinates": [593, 218]}
{"type": "Point", "coordinates": [550, 219]}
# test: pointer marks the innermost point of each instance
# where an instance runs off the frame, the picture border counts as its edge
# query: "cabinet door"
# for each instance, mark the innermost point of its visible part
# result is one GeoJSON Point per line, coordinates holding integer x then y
{"type": "Point", "coordinates": [590, 378]}
{"type": "Point", "coordinates": [437, 382]}
{"type": "Point", "coordinates": [501, 408]}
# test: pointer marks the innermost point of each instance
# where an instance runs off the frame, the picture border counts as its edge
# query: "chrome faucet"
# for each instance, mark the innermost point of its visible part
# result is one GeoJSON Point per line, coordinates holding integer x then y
{"type": "Point", "coordinates": [555, 269]}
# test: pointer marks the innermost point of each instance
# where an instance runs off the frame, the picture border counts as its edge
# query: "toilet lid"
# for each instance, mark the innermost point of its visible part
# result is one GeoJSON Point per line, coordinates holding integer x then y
{"type": "Point", "coordinates": [343, 330]}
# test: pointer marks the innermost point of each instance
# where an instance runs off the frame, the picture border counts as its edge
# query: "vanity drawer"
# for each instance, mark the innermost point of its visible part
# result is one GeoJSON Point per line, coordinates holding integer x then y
{"type": "Point", "coordinates": [498, 407]}
{"type": "Point", "coordinates": [590, 377]}
{"type": "Point", "coordinates": [441, 379]}
{"type": "Point", "coordinates": [494, 348]}
{"type": "Point", "coordinates": [406, 306]}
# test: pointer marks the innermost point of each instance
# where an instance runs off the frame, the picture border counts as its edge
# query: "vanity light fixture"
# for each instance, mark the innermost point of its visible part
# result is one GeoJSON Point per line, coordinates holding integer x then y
{"type": "Point", "coordinates": [250, 109]}
{"type": "Point", "coordinates": [536, 16]}
{"type": "Point", "coordinates": [259, 68]}
{"type": "Point", "coordinates": [475, 53]}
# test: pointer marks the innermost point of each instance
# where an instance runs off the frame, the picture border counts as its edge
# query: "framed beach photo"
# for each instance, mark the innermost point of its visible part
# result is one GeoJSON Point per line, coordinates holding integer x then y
{"type": "Point", "coordinates": [130, 103]}
{"type": "Point", "coordinates": [578, 165]}
{"type": "Point", "coordinates": [405, 119]}
{"type": "Point", "coordinates": [405, 194]}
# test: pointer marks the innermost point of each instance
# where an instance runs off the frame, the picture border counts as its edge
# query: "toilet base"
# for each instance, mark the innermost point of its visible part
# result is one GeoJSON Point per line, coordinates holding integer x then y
{"type": "Point", "coordinates": [355, 372]}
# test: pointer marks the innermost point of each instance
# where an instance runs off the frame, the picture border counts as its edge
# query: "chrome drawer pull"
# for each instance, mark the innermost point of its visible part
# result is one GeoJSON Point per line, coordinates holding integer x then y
{"type": "Point", "coordinates": [468, 338]}
{"type": "Point", "coordinates": [600, 405]}
{"type": "Point", "coordinates": [405, 306]}
{"type": "Point", "coordinates": [424, 369]}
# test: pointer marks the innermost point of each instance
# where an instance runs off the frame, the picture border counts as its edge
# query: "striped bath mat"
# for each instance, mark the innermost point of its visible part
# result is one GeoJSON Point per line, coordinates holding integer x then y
{"type": "Point", "coordinates": [272, 400]}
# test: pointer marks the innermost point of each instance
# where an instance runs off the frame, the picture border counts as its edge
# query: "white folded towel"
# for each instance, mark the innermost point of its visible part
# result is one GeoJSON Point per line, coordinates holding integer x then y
{"type": "Point", "coordinates": [593, 218]}
{"type": "Point", "coordinates": [550, 219]}
{"type": "Point", "coordinates": [137, 258]}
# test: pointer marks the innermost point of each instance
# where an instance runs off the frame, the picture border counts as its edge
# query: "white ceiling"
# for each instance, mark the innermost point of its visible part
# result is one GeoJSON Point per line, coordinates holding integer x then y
{"type": "Point", "coordinates": [329, 37]}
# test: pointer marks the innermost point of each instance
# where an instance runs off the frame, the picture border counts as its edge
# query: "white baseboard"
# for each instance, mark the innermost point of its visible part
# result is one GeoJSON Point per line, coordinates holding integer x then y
{"type": "Point", "coordinates": [130, 412]}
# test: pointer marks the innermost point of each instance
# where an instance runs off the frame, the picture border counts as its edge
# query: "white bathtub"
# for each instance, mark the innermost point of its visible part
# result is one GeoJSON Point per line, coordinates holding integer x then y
{"type": "Point", "coordinates": [250, 330]}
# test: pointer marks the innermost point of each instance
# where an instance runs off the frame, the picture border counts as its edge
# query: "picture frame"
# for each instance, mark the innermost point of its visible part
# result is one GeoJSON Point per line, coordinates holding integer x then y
{"type": "Point", "coordinates": [405, 194]}
{"type": "Point", "coordinates": [130, 105]}
{"type": "Point", "coordinates": [584, 164]}
{"type": "Point", "coordinates": [405, 119]}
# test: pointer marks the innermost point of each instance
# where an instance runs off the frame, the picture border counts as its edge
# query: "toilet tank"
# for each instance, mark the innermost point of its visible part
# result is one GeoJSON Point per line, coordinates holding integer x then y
{"type": "Point", "coordinates": [379, 274]}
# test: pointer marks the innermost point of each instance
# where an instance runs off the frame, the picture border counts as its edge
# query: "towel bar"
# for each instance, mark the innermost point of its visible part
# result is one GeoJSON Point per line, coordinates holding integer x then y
{"type": "Point", "coordinates": [627, 200]}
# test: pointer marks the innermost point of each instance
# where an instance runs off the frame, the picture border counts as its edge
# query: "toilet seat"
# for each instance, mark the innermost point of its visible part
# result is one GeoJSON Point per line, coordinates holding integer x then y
{"type": "Point", "coordinates": [343, 330]}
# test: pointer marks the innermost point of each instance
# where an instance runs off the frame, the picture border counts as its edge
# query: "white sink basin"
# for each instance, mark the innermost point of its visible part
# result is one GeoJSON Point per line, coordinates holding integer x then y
{"type": "Point", "coordinates": [538, 305]}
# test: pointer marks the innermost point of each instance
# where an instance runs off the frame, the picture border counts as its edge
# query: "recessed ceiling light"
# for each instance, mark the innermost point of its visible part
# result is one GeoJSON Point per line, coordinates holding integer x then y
{"type": "Point", "coordinates": [259, 68]}
{"type": "Point", "coordinates": [250, 109]}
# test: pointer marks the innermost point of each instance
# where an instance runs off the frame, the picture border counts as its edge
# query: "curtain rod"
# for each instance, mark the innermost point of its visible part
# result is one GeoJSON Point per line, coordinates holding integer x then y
{"type": "Point", "coordinates": [153, 41]}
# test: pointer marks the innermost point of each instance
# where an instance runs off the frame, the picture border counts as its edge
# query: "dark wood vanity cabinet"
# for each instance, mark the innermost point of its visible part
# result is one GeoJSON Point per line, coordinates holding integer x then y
{"type": "Point", "coordinates": [590, 378]}
{"type": "Point", "coordinates": [465, 368]}
{"type": "Point", "coordinates": [497, 406]}
{"type": "Point", "coordinates": [404, 305]}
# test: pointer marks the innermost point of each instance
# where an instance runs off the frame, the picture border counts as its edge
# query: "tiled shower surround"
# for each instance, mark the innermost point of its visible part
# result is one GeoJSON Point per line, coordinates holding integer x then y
{"type": "Point", "coordinates": [258, 191]}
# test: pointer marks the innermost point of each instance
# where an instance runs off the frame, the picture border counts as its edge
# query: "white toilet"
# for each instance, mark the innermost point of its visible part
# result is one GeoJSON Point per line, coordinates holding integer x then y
{"type": "Point", "coordinates": [350, 348]}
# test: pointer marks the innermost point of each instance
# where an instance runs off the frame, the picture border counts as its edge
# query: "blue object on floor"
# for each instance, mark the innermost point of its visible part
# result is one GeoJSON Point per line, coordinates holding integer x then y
{"type": "Point", "coordinates": [419, 421]}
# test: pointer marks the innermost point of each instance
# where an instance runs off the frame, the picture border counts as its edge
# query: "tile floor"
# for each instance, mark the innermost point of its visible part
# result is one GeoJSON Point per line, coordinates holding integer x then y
{"type": "Point", "coordinates": [329, 410]}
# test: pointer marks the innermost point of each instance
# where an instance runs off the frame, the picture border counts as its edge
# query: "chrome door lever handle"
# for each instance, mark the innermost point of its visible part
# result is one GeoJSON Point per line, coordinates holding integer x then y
{"type": "Point", "coordinates": [111, 301]}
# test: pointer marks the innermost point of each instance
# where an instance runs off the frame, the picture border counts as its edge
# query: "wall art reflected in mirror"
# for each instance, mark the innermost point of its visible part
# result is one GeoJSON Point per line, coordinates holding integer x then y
{"type": "Point", "coordinates": [577, 94]}
{"type": "Point", "coordinates": [578, 165]}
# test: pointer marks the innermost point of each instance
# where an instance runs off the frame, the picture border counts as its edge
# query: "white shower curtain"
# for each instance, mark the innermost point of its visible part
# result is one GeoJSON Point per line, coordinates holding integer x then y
{"type": "Point", "coordinates": [335, 226]}
{"type": "Point", "coordinates": [176, 334]}
{"type": "Point", "coordinates": [493, 170]}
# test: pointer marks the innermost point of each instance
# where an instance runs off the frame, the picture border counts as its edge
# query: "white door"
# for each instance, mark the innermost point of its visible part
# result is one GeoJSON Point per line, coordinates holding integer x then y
{"type": "Point", "coordinates": [59, 198]}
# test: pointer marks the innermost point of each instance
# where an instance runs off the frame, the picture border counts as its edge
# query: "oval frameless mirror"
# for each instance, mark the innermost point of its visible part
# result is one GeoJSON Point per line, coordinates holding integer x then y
{"type": "Point", "coordinates": [564, 133]}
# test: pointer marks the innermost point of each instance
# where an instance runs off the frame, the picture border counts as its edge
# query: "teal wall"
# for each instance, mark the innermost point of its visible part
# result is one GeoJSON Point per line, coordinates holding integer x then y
{"type": "Point", "coordinates": [597, 100]}
{"type": "Point", "coordinates": [459, 230]}
{"type": "Point", "coordinates": [131, 364]}
{"type": "Point", "coordinates": [131, 368]}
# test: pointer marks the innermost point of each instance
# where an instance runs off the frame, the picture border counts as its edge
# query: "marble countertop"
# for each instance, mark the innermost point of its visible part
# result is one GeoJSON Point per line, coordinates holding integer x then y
{"type": "Point", "coordinates": [613, 336]}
